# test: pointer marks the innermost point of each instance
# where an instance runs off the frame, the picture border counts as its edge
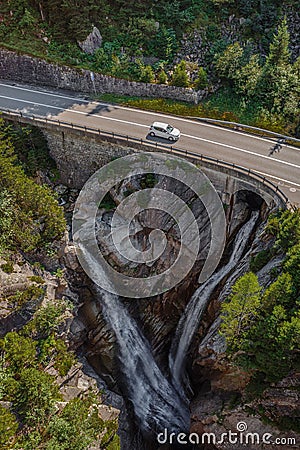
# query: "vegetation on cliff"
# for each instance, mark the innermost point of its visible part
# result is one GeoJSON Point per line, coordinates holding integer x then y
{"type": "Point", "coordinates": [261, 324]}
{"type": "Point", "coordinates": [34, 354]}
{"type": "Point", "coordinates": [37, 416]}
{"type": "Point", "coordinates": [30, 217]}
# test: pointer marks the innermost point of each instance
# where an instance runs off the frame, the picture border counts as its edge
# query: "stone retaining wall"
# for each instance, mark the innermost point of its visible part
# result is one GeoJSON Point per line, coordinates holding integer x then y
{"type": "Point", "coordinates": [26, 69]}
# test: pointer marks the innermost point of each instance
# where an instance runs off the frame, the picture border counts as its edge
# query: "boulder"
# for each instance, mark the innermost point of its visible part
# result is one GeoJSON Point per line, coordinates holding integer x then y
{"type": "Point", "coordinates": [92, 42]}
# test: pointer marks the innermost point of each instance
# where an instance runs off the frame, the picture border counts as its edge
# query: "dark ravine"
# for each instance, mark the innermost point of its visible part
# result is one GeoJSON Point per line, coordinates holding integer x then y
{"type": "Point", "coordinates": [131, 351]}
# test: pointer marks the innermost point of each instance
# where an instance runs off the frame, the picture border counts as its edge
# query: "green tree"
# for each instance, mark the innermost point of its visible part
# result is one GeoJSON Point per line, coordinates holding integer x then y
{"type": "Point", "coordinates": [285, 226]}
{"type": "Point", "coordinates": [28, 20]}
{"type": "Point", "coordinates": [230, 62]}
{"type": "Point", "coordinates": [77, 426]}
{"type": "Point", "coordinates": [248, 76]}
{"type": "Point", "coordinates": [279, 53]}
{"type": "Point", "coordinates": [270, 345]}
{"type": "Point", "coordinates": [180, 76]}
{"type": "Point", "coordinates": [201, 81]}
{"type": "Point", "coordinates": [19, 352]}
{"type": "Point", "coordinates": [37, 217]}
{"type": "Point", "coordinates": [241, 309]}
{"type": "Point", "coordinates": [279, 292]}
{"type": "Point", "coordinates": [292, 265]}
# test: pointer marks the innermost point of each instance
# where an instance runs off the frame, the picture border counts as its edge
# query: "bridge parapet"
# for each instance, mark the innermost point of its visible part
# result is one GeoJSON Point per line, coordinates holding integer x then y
{"type": "Point", "coordinates": [80, 150]}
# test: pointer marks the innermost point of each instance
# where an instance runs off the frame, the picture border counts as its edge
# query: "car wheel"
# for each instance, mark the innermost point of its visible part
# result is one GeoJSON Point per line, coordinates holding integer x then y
{"type": "Point", "coordinates": [171, 139]}
{"type": "Point", "coordinates": [152, 134]}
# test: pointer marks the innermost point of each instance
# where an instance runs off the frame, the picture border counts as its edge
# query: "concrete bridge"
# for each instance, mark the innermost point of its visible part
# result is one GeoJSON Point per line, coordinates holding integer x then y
{"type": "Point", "coordinates": [79, 151]}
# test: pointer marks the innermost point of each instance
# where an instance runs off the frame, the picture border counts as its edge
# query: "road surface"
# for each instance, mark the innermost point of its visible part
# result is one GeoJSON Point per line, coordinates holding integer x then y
{"type": "Point", "coordinates": [282, 168]}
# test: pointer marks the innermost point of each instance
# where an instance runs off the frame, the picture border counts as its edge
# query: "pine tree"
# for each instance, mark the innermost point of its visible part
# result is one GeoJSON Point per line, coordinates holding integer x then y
{"type": "Point", "coordinates": [201, 81]}
{"type": "Point", "coordinates": [242, 307]}
{"type": "Point", "coordinates": [279, 53]}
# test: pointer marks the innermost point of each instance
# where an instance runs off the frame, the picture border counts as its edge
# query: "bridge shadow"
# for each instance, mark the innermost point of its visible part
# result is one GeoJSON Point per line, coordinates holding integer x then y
{"type": "Point", "coordinates": [54, 103]}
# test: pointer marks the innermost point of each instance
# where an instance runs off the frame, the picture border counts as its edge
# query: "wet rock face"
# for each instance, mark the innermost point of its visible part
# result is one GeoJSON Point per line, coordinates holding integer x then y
{"type": "Point", "coordinates": [157, 316]}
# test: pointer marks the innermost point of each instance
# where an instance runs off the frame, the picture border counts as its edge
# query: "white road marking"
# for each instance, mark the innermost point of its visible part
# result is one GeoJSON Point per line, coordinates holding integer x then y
{"type": "Point", "coordinates": [241, 150]}
{"type": "Point", "coordinates": [45, 93]}
{"type": "Point", "coordinates": [277, 178]}
{"type": "Point", "coordinates": [146, 126]}
{"type": "Point", "coordinates": [74, 111]}
{"type": "Point", "coordinates": [143, 112]}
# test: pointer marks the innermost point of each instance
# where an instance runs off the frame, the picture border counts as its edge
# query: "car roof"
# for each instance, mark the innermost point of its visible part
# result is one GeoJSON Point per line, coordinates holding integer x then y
{"type": "Point", "coordinates": [159, 124]}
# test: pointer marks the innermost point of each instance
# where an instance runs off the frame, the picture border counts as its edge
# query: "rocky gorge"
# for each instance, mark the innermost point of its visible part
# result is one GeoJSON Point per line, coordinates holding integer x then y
{"type": "Point", "coordinates": [160, 361]}
{"type": "Point", "coordinates": [131, 354]}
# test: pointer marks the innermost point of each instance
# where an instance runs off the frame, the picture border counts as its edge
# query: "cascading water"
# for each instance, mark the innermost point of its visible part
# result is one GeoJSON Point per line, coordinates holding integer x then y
{"type": "Point", "coordinates": [157, 405]}
{"type": "Point", "coordinates": [189, 321]}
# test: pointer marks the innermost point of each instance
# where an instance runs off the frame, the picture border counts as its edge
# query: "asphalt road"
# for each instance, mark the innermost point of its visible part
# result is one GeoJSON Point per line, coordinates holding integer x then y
{"type": "Point", "coordinates": [252, 152]}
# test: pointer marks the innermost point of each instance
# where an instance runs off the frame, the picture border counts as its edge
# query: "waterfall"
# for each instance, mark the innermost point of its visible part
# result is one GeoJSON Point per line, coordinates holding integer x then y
{"type": "Point", "coordinates": [157, 405]}
{"type": "Point", "coordinates": [160, 404]}
{"type": "Point", "coordinates": [189, 321]}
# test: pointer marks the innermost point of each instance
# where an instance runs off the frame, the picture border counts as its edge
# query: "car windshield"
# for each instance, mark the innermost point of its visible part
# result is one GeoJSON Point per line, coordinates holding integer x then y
{"type": "Point", "coordinates": [170, 129]}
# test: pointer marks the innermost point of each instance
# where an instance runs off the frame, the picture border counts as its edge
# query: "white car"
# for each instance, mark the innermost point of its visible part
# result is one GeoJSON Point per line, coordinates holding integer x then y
{"type": "Point", "coordinates": [164, 130]}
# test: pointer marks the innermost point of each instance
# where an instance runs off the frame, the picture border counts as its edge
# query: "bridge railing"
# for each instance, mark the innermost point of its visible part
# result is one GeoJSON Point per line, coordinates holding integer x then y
{"type": "Point", "coordinates": [197, 157]}
{"type": "Point", "coordinates": [250, 130]}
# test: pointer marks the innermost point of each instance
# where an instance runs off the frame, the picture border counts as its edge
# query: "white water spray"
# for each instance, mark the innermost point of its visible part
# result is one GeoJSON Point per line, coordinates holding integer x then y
{"type": "Point", "coordinates": [189, 321]}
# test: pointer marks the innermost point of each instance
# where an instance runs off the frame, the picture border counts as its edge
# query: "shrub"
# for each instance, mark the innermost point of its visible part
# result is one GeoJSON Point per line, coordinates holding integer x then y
{"type": "Point", "coordinates": [147, 74]}
{"type": "Point", "coordinates": [180, 76]}
{"type": "Point", "coordinates": [32, 293]}
{"type": "Point", "coordinates": [258, 261]}
{"type": "Point", "coordinates": [8, 428]}
{"type": "Point", "coordinates": [37, 279]}
{"type": "Point", "coordinates": [36, 394]}
{"type": "Point", "coordinates": [7, 267]}
{"type": "Point", "coordinates": [162, 77]}
{"type": "Point", "coordinates": [201, 81]}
